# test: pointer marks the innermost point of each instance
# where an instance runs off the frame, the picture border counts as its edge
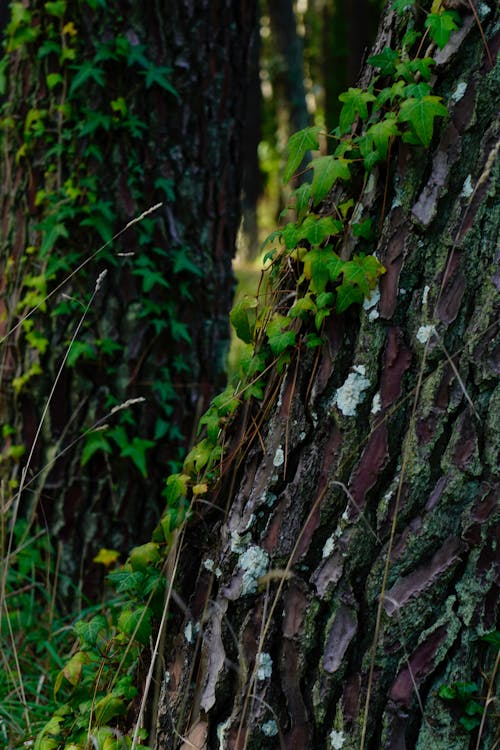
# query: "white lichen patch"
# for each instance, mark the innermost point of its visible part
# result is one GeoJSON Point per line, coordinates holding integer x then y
{"type": "Point", "coordinates": [372, 300]}
{"type": "Point", "coordinates": [191, 630]}
{"type": "Point", "coordinates": [328, 546]}
{"type": "Point", "coordinates": [270, 728]}
{"type": "Point", "coordinates": [264, 666]}
{"type": "Point", "coordinates": [279, 457]}
{"type": "Point", "coordinates": [376, 404]}
{"type": "Point", "coordinates": [352, 393]}
{"type": "Point", "coordinates": [402, 292]}
{"type": "Point", "coordinates": [484, 10]}
{"type": "Point", "coordinates": [254, 562]}
{"type": "Point", "coordinates": [467, 189]}
{"type": "Point", "coordinates": [425, 294]}
{"type": "Point", "coordinates": [208, 565]}
{"type": "Point", "coordinates": [337, 739]}
{"type": "Point", "coordinates": [373, 315]}
{"type": "Point", "coordinates": [460, 90]}
{"type": "Point", "coordinates": [239, 542]}
{"type": "Point", "coordinates": [424, 333]}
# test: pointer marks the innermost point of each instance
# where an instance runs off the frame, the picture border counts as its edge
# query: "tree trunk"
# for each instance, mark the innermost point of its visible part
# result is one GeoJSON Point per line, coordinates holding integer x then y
{"type": "Point", "coordinates": [144, 106]}
{"type": "Point", "coordinates": [347, 570]}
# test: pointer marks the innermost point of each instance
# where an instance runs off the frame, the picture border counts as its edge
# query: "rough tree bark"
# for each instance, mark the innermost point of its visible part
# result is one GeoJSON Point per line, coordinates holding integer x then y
{"type": "Point", "coordinates": [188, 156]}
{"type": "Point", "coordinates": [350, 569]}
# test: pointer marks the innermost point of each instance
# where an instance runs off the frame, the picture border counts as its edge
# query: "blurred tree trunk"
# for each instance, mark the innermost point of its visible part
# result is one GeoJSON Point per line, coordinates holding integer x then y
{"type": "Point", "coordinates": [376, 524]}
{"type": "Point", "coordinates": [349, 28]}
{"type": "Point", "coordinates": [144, 106]}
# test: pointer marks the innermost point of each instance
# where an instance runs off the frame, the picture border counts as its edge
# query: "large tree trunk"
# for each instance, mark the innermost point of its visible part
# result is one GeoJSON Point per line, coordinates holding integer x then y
{"type": "Point", "coordinates": [162, 310]}
{"type": "Point", "coordinates": [348, 570]}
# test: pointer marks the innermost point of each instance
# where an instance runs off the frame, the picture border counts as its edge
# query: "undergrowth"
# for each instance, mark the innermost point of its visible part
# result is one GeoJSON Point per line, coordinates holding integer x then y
{"type": "Point", "coordinates": [318, 264]}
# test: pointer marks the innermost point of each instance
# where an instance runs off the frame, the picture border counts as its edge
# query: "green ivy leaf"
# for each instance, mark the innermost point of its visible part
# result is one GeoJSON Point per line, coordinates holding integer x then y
{"type": "Point", "coordinates": [374, 143]}
{"type": "Point", "coordinates": [176, 487]}
{"type": "Point", "coordinates": [279, 335]}
{"type": "Point", "coordinates": [298, 145]}
{"type": "Point", "coordinates": [87, 71]}
{"type": "Point", "coordinates": [355, 102]}
{"type": "Point", "coordinates": [420, 114]}
{"type": "Point", "coordinates": [385, 61]}
{"type": "Point", "coordinates": [417, 90]}
{"type": "Point", "coordinates": [302, 198]}
{"type": "Point", "coordinates": [363, 229]}
{"type": "Point", "coordinates": [327, 169]}
{"type": "Point", "coordinates": [347, 295]}
{"type": "Point", "coordinates": [88, 632]}
{"type": "Point", "coordinates": [441, 26]}
{"type": "Point", "coordinates": [144, 556]}
{"type": "Point", "coordinates": [53, 80]}
{"type": "Point", "coordinates": [322, 265]}
{"type": "Point", "coordinates": [302, 307]}
{"type": "Point", "coordinates": [316, 230]}
{"type": "Point", "coordinates": [136, 450]}
{"type": "Point", "coordinates": [243, 317]}
{"type": "Point", "coordinates": [107, 708]}
{"type": "Point", "coordinates": [160, 76]}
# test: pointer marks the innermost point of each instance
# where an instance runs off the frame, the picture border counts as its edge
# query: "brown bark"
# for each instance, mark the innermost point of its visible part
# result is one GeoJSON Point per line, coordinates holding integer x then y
{"type": "Point", "coordinates": [353, 548]}
{"type": "Point", "coordinates": [192, 140]}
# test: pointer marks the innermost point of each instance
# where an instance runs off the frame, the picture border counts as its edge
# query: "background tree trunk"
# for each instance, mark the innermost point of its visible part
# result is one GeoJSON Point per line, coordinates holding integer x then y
{"type": "Point", "coordinates": [349, 568]}
{"type": "Point", "coordinates": [163, 308]}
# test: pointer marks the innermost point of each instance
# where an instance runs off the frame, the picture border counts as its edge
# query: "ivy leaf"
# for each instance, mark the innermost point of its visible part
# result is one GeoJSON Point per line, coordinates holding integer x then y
{"type": "Point", "coordinates": [327, 169]}
{"type": "Point", "coordinates": [347, 295]}
{"type": "Point", "coordinates": [279, 336]}
{"type": "Point", "coordinates": [73, 669]}
{"type": "Point", "coordinates": [377, 139]}
{"type": "Point", "coordinates": [441, 26]}
{"type": "Point", "coordinates": [159, 75]}
{"type": "Point", "coordinates": [363, 229]}
{"type": "Point", "coordinates": [355, 102]}
{"type": "Point", "coordinates": [199, 456]}
{"type": "Point", "coordinates": [85, 72]}
{"type": "Point", "coordinates": [95, 441]}
{"type": "Point", "coordinates": [138, 621]}
{"type": "Point", "coordinates": [142, 557]}
{"type": "Point", "coordinates": [417, 90]}
{"type": "Point", "coordinates": [386, 61]}
{"type": "Point", "coordinates": [302, 307]}
{"type": "Point", "coordinates": [243, 318]}
{"type": "Point", "coordinates": [315, 230]}
{"type": "Point", "coordinates": [291, 235]}
{"type": "Point", "coordinates": [108, 707]}
{"type": "Point", "coordinates": [136, 450]}
{"type": "Point", "coordinates": [321, 265]}
{"type": "Point", "coordinates": [88, 632]}
{"type": "Point", "coordinates": [420, 114]}
{"type": "Point", "coordinates": [302, 198]}
{"type": "Point", "coordinates": [176, 487]}
{"type": "Point", "coordinates": [298, 145]}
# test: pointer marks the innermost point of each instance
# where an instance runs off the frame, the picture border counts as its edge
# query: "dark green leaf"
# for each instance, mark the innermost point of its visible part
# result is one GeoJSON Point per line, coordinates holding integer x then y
{"type": "Point", "coordinates": [316, 230]}
{"type": "Point", "coordinates": [327, 169]}
{"type": "Point", "coordinates": [347, 295]}
{"type": "Point", "coordinates": [420, 114]}
{"type": "Point", "coordinates": [355, 102]}
{"type": "Point", "coordinates": [298, 145]}
{"type": "Point", "coordinates": [441, 26]}
{"type": "Point", "coordinates": [243, 318]}
{"type": "Point", "coordinates": [385, 60]}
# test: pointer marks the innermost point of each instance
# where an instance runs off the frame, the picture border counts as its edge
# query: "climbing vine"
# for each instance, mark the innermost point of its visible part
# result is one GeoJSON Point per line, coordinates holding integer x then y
{"type": "Point", "coordinates": [88, 117]}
